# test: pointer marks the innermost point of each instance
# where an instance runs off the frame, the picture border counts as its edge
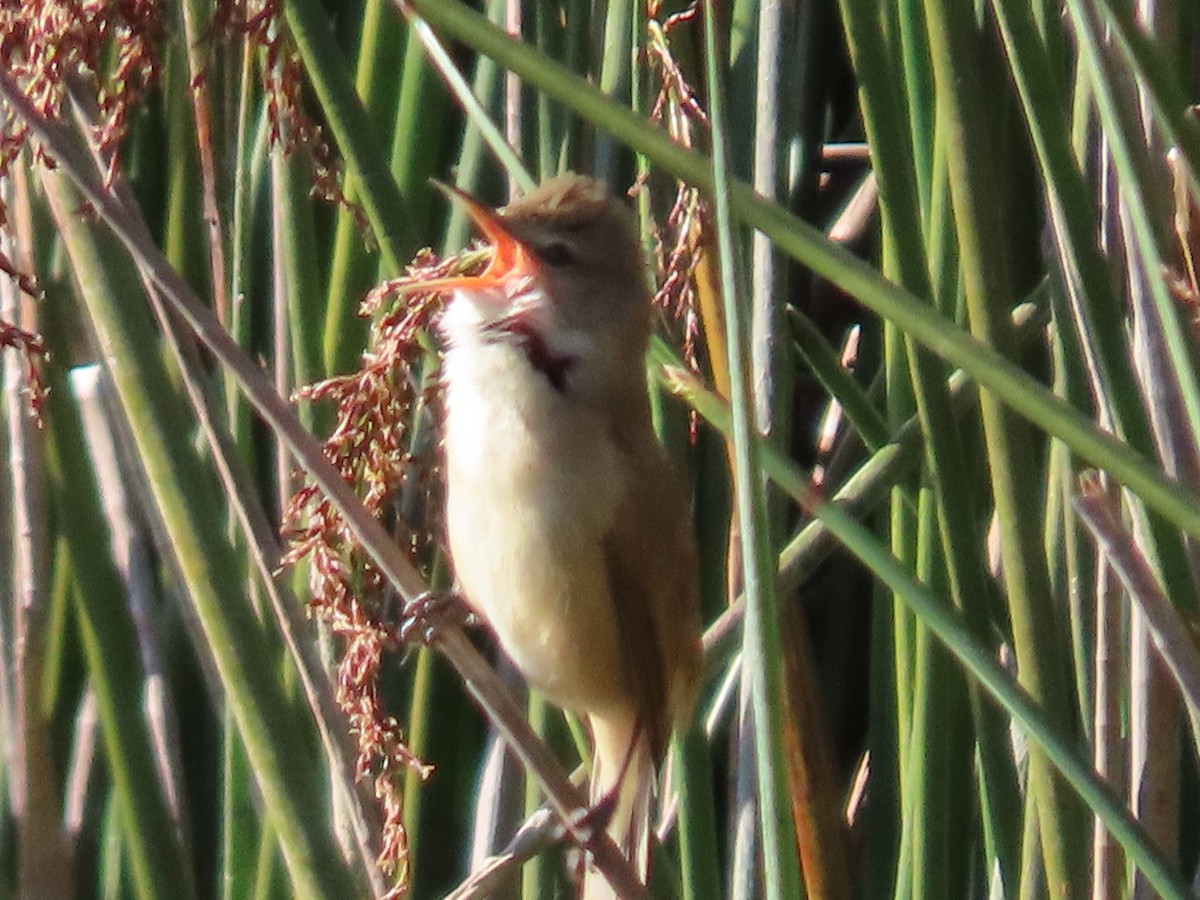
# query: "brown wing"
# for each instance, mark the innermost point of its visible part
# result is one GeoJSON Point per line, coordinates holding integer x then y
{"type": "Point", "coordinates": [653, 581]}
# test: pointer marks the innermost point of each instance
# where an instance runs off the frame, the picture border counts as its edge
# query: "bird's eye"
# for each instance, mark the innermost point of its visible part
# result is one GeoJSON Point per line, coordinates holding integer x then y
{"type": "Point", "coordinates": [556, 254]}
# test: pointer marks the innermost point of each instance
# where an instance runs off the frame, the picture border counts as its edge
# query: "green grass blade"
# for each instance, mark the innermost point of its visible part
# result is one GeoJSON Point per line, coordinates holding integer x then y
{"type": "Point", "coordinates": [157, 863]}
{"type": "Point", "coordinates": [761, 653]}
{"type": "Point", "coordinates": [357, 140]}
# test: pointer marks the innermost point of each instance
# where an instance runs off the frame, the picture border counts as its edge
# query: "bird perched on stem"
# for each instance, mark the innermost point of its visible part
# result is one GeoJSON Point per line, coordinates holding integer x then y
{"type": "Point", "coordinates": [570, 531]}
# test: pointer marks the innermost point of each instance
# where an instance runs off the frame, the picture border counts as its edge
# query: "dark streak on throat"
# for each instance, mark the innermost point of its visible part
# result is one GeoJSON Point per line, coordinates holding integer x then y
{"type": "Point", "coordinates": [517, 330]}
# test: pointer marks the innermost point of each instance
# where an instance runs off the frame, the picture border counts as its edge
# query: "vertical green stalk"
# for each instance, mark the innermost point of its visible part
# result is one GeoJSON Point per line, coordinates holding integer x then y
{"type": "Point", "coordinates": [417, 132]}
{"type": "Point", "coordinates": [246, 236]}
{"type": "Point", "coordinates": [913, 50]}
{"type": "Point", "coordinates": [1042, 667]}
{"type": "Point", "coordinates": [883, 813]}
{"type": "Point", "coordinates": [418, 728]}
{"type": "Point", "coordinates": [242, 834]}
{"type": "Point", "coordinates": [906, 258]}
{"type": "Point", "coordinates": [536, 877]}
{"type": "Point", "coordinates": [351, 266]}
{"type": "Point", "coordinates": [302, 274]}
{"type": "Point", "coordinates": [351, 127]}
{"type": "Point", "coordinates": [156, 859]}
{"type": "Point", "coordinates": [941, 744]}
{"type": "Point", "coordinates": [701, 876]}
{"type": "Point", "coordinates": [761, 653]}
{"type": "Point", "coordinates": [1095, 312]}
{"type": "Point", "coordinates": [181, 229]}
{"type": "Point", "coordinates": [546, 131]}
{"type": "Point", "coordinates": [614, 78]}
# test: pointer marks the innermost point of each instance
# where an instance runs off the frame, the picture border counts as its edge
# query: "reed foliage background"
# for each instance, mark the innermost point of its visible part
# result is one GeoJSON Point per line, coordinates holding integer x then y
{"type": "Point", "coordinates": [929, 274]}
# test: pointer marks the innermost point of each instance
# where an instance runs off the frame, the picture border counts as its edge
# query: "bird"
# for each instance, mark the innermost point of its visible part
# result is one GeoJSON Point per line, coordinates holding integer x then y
{"type": "Point", "coordinates": [569, 527]}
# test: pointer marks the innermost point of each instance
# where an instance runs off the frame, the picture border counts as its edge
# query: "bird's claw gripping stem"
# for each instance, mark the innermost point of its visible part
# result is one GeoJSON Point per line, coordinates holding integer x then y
{"type": "Point", "coordinates": [430, 610]}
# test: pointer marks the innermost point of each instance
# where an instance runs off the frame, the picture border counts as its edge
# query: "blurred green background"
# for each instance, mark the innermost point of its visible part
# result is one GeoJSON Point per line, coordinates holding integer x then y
{"type": "Point", "coordinates": [936, 260]}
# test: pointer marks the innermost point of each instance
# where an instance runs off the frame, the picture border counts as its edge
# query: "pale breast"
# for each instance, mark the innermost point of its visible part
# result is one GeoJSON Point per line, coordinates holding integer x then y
{"type": "Point", "coordinates": [533, 485]}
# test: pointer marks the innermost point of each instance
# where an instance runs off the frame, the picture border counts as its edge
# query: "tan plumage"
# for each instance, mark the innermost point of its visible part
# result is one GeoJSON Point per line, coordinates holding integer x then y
{"type": "Point", "coordinates": [569, 528]}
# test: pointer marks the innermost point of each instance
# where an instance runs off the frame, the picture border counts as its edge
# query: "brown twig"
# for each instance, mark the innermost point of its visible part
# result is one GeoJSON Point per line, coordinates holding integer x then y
{"type": "Point", "coordinates": [540, 831]}
{"type": "Point", "coordinates": [1099, 513]}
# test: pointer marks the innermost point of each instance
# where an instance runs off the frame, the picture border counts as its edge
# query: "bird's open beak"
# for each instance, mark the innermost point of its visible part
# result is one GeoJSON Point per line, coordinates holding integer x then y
{"type": "Point", "coordinates": [511, 261]}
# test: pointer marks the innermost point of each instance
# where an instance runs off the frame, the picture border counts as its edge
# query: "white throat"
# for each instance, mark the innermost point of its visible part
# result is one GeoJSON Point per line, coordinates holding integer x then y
{"type": "Point", "coordinates": [469, 314]}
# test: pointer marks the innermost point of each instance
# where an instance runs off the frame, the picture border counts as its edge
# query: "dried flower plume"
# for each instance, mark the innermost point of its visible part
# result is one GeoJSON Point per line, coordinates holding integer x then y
{"type": "Point", "coordinates": [106, 52]}
{"type": "Point", "coordinates": [106, 48]}
{"type": "Point", "coordinates": [384, 443]}
{"type": "Point", "coordinates": [34, 349]}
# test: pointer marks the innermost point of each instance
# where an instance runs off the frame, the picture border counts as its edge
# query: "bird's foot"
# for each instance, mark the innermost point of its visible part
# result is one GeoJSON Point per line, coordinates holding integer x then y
{"type": "Point", "coordinates": [586, 831]}
{"type": "Point", "coordinates": [587, 824]}
{"type": "Point", "coordinates": [585, 827]}
{"type": "Point", "coordinates": [432, 610]}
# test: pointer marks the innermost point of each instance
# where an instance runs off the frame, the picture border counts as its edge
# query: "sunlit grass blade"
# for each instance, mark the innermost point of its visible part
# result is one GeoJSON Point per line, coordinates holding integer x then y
{"type": "Point", "coordinates": [762, 661]}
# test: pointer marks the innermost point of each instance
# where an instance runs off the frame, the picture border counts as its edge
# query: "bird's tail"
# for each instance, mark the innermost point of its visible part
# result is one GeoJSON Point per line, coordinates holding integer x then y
{"type": "Point", "coordinates": [622, 786]}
